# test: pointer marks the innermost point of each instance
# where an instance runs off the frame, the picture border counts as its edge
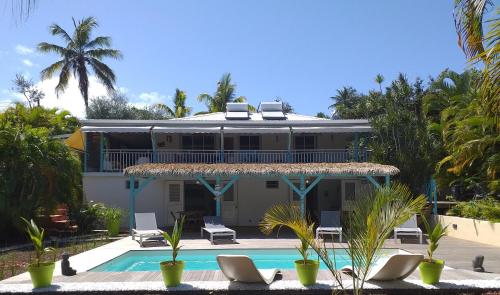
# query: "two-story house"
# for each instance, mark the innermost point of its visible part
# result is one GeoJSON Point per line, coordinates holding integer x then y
{"type": "Point", "coordinates": [266, 139]}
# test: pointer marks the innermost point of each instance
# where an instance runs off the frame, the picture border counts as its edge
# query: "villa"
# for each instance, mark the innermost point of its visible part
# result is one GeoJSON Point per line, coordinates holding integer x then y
{"type": "Point", "coordinates": [234, 164]}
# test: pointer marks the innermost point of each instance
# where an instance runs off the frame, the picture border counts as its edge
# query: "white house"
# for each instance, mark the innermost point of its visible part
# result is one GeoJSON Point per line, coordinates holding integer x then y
{"type": "Point", "coordinates": [251, 159]}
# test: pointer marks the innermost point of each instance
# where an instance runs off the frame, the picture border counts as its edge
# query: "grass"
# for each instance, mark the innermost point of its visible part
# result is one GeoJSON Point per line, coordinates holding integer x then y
{"type": "Point", "coordinates": [16, 262]}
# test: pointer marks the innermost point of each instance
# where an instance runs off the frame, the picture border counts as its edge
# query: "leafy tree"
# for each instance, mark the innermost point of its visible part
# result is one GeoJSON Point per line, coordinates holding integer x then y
{"type": "Point", "coordinates": [180, 109]}
{"type": "Point", "coordinates": [287, 107]}
{"type": "Point", "coordinates": [28, 89]}
{"type": "Point", "coordinates": [348, 103]}
{"type": "Point", "coordinates": [37, 170]}
{"type": "Point", "coordinates": [379, 79]}
{"type": "Point", "coordinates": [322, 115]}
{"type": "Point", "coordinates": [225, 93]}
{"type": "Point", "coordinates": [80, 54]}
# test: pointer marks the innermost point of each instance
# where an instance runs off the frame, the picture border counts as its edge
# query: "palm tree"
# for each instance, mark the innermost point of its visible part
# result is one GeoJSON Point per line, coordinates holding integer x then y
{"type": "Point", "coordinates": [225, 93]}
{"type": "Point", "coordinates": [79, 53]}
{"type": "Point", "coordinates": [367, 227]}
{"type": "Point", "coordinates": [379, 79]}
{"type": "Point", "coordinates": [180, 109]}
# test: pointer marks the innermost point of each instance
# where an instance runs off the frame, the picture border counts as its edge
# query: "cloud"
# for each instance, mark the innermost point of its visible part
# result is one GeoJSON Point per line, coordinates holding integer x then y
{"type": "Point", "coordinates": [28, 63]}
{"type": "Point", "coordinates": [149, 98]}
{"type": "Point", "coordinates": [24, 50]}
{"type": "Point", "coordinates": [71, 99]}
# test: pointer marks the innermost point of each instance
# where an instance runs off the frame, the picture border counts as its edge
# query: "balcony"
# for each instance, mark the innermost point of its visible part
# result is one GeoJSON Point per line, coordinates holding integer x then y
{"type": "Point", "coordinates": [115, 160]}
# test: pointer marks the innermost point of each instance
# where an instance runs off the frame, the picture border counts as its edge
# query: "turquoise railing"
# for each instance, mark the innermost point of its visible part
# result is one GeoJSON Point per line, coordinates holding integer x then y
{"type": "Point", "coordinates": [115, 160]}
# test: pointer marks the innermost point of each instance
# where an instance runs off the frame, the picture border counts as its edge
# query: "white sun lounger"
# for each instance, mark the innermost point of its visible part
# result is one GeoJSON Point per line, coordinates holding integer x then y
{"type": "Point", "coordinates": [214, 226]}
{"type": "Point", "coordinates": [242, 269]}
{"type": "Point", "coordinates": [409, 228]}
{"type": "Point", "coordinates": [330, 224]}
{"type": "Point", "coordinates": [396, 267]}
{"type": "Point", "coordinates": [145, 227]}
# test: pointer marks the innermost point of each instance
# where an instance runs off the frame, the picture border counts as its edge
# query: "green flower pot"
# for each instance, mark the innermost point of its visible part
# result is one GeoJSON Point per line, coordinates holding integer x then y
{"type": "Point", "coordinates": [41, 276]}
{"type": "Point", "coordinates": [430, 272]}
{"type": "Point", "coordinates": [113, 227]}
{"type": "Point", "coordinates": [307, 272]}
{"type": "Point", "coordinates": [172, 273]}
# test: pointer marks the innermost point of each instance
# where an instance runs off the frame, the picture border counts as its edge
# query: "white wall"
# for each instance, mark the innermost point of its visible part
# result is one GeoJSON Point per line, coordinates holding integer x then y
{"type": "Point", "coordinates": [110, 189]}
{"type": "Point", "coordinates": [254, 199]}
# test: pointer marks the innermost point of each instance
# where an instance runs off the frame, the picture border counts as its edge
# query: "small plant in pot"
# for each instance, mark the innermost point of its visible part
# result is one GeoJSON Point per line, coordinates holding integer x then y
{"type": "Point", "coordinates": [291, 217]}
{"type": "Point", "coordinates": [172, 270]}
{"type": "Point", "coordinates": [41, 271]}
{"type": "Point", "coordinates": [430, 268]}
{"type": "Point", "coordinates": [112, 218]}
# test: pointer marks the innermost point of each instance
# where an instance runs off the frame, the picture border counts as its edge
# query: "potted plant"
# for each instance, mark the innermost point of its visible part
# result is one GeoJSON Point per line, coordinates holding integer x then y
{"type": "Point", "coordinates": [307, 270]}
{"type": "Point", "coordinates": [112, 218]}
{"type": "Point", "coordinates": [291, 217]}
{"type": "Point", "coordinates": [430, 268]}
{"type": "Point", "coordinates": [171, 270]}
{"type": "Point", "coordinates": [41, 271]}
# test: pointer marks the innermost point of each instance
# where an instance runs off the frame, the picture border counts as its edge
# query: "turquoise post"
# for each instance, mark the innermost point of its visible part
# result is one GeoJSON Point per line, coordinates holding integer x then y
{"type": "Point", "coordinates": [84, 135]}
{"type": "Point", "coordinates": [218, 196]}
{"type": "Point", "coordinates": [153, 145]}
{"type": "Point", "coordinates": [101, 152]}
{"type": "Point", "coordinates": [302, 195]}
{"type": "Point", "coordinates": [387, 180]}
{"type": "Point", "coordinates": [132, 203]}
{"type": "Point", "coordinates": [289, 150]}
{"type": "Point", "coordinates": [356, 147]}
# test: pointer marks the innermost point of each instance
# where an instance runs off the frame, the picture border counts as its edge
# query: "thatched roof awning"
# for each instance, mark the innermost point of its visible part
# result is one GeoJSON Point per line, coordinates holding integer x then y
{"type": "Point", "coordinates": [261, 169]}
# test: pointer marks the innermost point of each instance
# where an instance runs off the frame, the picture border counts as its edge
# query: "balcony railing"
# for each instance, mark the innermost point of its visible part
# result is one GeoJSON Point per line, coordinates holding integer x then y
{"type": "Point", "coordinates": [115, 160]}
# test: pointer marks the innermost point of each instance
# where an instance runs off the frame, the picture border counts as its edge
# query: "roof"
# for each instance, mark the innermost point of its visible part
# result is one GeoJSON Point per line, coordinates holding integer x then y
{"type": "Point", "coordinates": [256, 116]}
{"type": "Point", "coordinates": [224, 169]}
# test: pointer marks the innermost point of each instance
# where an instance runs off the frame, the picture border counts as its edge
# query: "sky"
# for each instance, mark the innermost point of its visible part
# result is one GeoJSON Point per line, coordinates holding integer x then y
{"type": "Point", "coordinates": [300, 51]}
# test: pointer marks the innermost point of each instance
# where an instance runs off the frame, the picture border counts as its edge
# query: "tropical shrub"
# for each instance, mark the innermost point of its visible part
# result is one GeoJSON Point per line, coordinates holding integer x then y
{"type": "Point", "coordinates": [482, 209]}
{"type": "Point", "coordinates": [88, 216]}
{"type": "Point", "coordinates": [367, 227]}
{"type": "Point", "coordinates": [36, 169]}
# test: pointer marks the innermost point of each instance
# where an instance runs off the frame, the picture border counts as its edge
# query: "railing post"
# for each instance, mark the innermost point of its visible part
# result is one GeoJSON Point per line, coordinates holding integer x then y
{"type": "Point", "coordinates": [101, 152]}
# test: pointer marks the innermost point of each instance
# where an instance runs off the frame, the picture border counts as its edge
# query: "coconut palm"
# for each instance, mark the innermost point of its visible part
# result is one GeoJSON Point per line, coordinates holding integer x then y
{"type": "Point", "coordinates": [379, 79]}
{"type": "Point", "coordinates": [225, 93]}
{"type": "Point", "coordinates": [367, 227]}
{"type": "Point", "coordinates": [180, 108]}
{"type": "Point", "coordinates": [79, 55]}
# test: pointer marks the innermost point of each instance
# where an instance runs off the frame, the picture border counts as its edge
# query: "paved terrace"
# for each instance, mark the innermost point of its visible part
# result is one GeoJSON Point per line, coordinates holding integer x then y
{"type": "Point", "coordinates": [457, 253]}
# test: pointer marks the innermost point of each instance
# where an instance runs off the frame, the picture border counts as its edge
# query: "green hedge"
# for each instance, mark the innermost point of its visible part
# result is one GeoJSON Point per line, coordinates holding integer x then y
{"type": "Point", "coordinates": [483, 209]}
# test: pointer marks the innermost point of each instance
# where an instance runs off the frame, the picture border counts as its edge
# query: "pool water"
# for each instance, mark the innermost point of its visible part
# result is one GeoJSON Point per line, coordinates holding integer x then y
{"type": "Point", "coordinates": [149, 260]}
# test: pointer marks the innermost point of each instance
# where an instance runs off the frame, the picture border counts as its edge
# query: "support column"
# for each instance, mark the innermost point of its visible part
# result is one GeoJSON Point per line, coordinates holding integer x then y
{"type": "Point", "coordinates": [356, 147]}
{"type": "Point", "coordinates": [302, 190]}
{"type": "Point", "coordinates": [85, 157]}
{"type": "Point", "coordinates": [434, 195]}
{"type": "Point", "coordinates": [153, 147]}
{"type": "Point", "coordinates": [387, 180]}
{"type": "Point", "coordinates": [289, 149]}
{"type": "Point", "coordinates": [218, 196]}
{"type": "Point", "coordinates": [132, 203]}
{"type": "Point", "coordinates": [222, 144]}
{"type": "Point", "coordinates": [101, 152]}
{"type": "Point", "coordinates": [302, 195]}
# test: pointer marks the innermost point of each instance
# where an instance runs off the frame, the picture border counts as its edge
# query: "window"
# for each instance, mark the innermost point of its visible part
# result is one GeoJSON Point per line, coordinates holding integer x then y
{"type": "Point", "coordinates": [198, 142]}
{"type": "Point", "coordinates": [136, 184]}
{"type": "Point", "coordinates": [174, 192]}
{"type": "Point", "coordinates": [350, 191]}
{"type": "Point", "coordinates": [249, 142]}
{"type": "Point", "coordinates": [272, 184]}
{"type": "Point", "coordinates": [229, 195]}
{"type": "Point", "coordinates": [305, 142]}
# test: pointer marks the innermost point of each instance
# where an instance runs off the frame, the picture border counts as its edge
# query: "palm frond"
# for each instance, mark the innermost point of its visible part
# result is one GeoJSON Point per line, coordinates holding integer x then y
{"type": "Point", "coordinates": [56, 30]}
{"type": "Point", "coordinates": [104, 73]}
{"type": "Point", "coordinates": [48, 72]}
{"type": "Point", "coordinates": [64, 77]}
{"type": "Point", "coordinates": [101, 53]}
{"type": "Point", "coordinates": [101, 41]}
{"type": "Point", "coordinates": [49, 48]}
{"type": "Point", "coordinates": [468, 15]}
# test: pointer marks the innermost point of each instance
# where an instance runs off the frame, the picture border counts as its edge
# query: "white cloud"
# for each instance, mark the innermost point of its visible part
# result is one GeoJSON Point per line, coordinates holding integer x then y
{"type": "Point", "coordinates": [71, 99]}
{"type": "Point", "coordinates": [149, 98]}
{"type": "Point", "coordinates": [28, 63]}
{"type": "Point", "coordinates": [24, 50]}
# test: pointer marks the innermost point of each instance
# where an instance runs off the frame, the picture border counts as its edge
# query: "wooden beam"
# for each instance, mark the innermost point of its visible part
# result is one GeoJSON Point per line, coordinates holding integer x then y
{"type": "Point", "coordinates": [373, 181]}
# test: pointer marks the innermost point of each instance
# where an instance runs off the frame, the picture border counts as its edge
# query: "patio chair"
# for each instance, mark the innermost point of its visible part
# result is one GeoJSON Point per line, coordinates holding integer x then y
{"type": "Point", "coordinates": [214, 226]}
{"type": "Point", "coordinates": [242, 269]}
{"type": "Point", "coordinates": [145, 227]}
{"type": "Point", "coordinates": [409, 228]}
{"type": "Point", "coordinates": [396, 267]}
{"type": "Point", "coordinates": [330, 224]}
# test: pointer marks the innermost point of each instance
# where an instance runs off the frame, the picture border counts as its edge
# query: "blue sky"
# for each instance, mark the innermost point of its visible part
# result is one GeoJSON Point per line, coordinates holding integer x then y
{"type": "Point", "coordinates": [301, 51]}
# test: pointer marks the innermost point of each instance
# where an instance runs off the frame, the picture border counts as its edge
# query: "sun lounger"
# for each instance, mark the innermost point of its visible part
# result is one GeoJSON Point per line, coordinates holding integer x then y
{"type": "Point", "coordinates": [214, 226]}
{"type": "Point", "coordinates": [396, 267]}
{"type": "Point", "coordinates": [242, 269]}
{"type": "Point", "coordinates": [409, 228]}
{"type": "Point", "coordinates": [330, 224]}
{"type": "Point", "coordinates": [145, 227]}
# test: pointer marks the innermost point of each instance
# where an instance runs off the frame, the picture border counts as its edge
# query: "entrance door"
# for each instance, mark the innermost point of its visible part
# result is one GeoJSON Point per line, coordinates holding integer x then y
{"type": "Point", "coordinates": [174, 196]}
{"type": "Point", "coordinates": [229, 206]}
{"type": "Point", "coordinates": [349, 193]}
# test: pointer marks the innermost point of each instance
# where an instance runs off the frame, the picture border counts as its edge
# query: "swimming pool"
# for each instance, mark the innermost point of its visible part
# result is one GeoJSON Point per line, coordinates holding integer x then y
{"type": "Point", "coordinates": [149, 260]}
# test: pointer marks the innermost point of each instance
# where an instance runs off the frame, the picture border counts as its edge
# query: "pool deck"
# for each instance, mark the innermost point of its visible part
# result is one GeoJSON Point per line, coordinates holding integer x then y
{"type": "Point", "coordinates": [458, 255]}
